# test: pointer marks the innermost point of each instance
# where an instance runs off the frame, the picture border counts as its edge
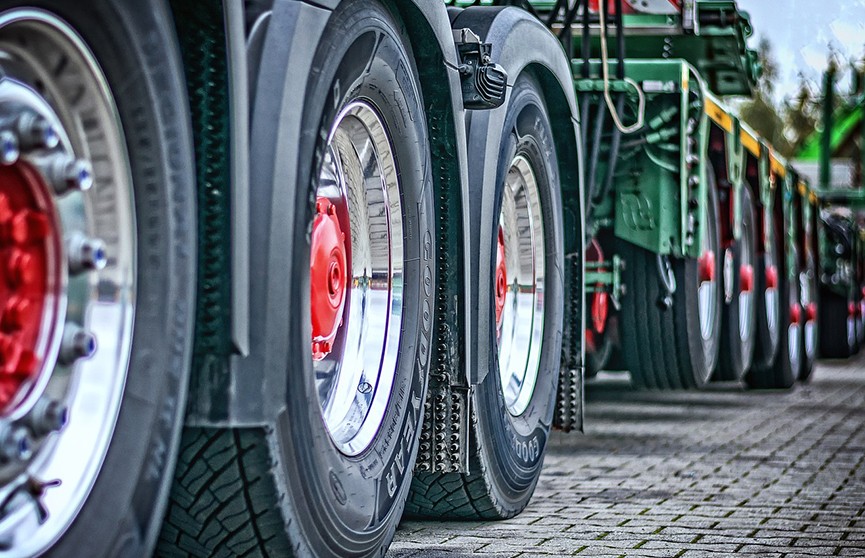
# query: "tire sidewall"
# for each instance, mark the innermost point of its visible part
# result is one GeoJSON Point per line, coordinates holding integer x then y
{"type": "Point", "coordinates": [517, 444]}
{"type": "Point", "coordinates": [360, 56]}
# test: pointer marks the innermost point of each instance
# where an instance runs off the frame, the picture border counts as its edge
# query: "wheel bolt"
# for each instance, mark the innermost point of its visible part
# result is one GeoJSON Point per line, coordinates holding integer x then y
{"type": "Point", "coordinates": [77, 343]}
{"type": "Point", "coordinates": [15, 444]}
{"type": "Point", "coordinates": [9, 148]}
{"type": "Point", "coordinates": [35, 132]}
{"type": "Point", "coordinates": [85, 254]}
{"type": "Point", "coordinates": [67, 174]}
{"type": "Point", "coordinates": [47, 416]}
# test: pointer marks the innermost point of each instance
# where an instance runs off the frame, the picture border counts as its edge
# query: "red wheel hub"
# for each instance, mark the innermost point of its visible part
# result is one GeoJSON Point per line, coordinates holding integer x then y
{"type": "Point", "coordinates": [811, 312]}
{"type": "Point", "coordinates": [328, 273]}
{"type": "Point", "coordinates": [771, 277]}
{"type": "Point", "coordinates": [795, 314]}
{"type": "Point", "coordinates": [706, 266]}
{"type": "Point", "coordinates": [501, 278]}
{"type": "Point", "coordinates": [746, 278]}
{"type": "Point", "coordinates": [29, 244]}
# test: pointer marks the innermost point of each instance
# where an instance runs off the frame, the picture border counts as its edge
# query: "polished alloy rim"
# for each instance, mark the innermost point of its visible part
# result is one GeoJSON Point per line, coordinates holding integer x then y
{"type": "Point", "coordinates": [74, 287]}
{"type": "Point", "coordinates": [794, 341]}
{"type": "Point", "coordinates": [520, 324]}
{"type": "Point", "coordinates": [356, 277]}
{"type": "Point", "coordinates": [708, 283]}
{"type": "Point", "coordinates": [809, 320]}
{"type": "Point", "coordinates": [771, 296]}
{"type": "Point", "coordinates": [746, 283]}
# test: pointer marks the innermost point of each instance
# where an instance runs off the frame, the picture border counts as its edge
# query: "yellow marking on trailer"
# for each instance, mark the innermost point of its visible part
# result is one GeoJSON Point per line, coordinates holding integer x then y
{"type": "Point", "coordinates": [719, 115]}
{"type": "Point", "coordinates": [777, 166]}
{"type": "Point", "coordinates": [813, 198]}
{"type": "Point", "coordinates": [750, 143]}
{"type": "Point", "coordinates": [803, 189]}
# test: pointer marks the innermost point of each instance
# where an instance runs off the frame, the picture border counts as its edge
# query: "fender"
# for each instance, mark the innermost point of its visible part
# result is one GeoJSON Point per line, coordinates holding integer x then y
{"type": "Point", "coordinates": [519, 41]}
{"type": "Point", "coordinates": [280, 38]}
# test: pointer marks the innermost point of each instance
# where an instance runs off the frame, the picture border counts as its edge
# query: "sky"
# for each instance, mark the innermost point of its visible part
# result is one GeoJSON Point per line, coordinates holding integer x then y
{"type": "Point", "coordinates": [801, 32]}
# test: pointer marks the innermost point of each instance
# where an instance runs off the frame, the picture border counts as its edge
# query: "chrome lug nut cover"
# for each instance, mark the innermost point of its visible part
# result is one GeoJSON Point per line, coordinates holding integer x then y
{"type": "Point", "coordinates": [15, 444]}
{"type": "Point", "coordinates": [77, 344]}
{"type": "Point", "coordinates": [66, 174]}
{"type": "Point", "coordinates": [85, 254]}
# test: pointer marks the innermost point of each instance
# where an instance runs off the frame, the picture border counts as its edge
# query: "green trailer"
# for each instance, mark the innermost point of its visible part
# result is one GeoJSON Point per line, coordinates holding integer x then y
{"type": "Point", "coordinates": [276, 272]}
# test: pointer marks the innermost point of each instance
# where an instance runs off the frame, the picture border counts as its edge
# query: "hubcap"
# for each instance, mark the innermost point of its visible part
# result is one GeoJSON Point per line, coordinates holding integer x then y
{"type": "Point", "coordinates": [67, 238]}
{"type": "Point", "coordinates": [771, 297]}
{"type": "Point", "coordinates": [708, 285]}
{"type": "Point", "coordinates": [356, 278]}
{"type": "Point", "coordinates": [808, 313]}
{"type": "Point", "coordinates": [327, 279]}
{"type": "Point", "coordinates": [522, 321]}
{"type": "Point", "coordinates": [746, 282]}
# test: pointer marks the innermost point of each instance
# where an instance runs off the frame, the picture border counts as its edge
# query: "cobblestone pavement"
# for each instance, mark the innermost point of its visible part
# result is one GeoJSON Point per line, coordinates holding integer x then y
{"type": "Point", "coordinates": [718, 472]}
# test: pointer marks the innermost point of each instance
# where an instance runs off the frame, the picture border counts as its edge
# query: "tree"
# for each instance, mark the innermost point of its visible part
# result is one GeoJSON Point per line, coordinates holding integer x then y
{"type": "Point", "coordinates": [760, 112]}
{"type": "Point", "coordinates": [801, 115]}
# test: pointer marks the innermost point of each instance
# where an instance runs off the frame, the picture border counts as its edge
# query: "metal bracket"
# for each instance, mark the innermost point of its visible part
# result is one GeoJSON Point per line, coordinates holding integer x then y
{"type": "Point", "coordinates": [484, 83]}
{"type": "Point", "coordinates": [608, 276]}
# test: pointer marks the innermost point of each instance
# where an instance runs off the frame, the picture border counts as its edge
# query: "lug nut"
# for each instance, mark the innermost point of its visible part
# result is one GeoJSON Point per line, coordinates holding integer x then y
{"type": "Point", "coordinates": [77, 343]}
{"type": "Point", "coordinates": [15, 444]}
{"type": "Point", "coordinates": [47, 416]}
{"type": "Point", "coordinates": [9, 148]}
{"type": "Point", "coordinates": [35, 132]}
{"type": "Point", "coordinates": [67, 174]}
{"type": "Point", "coordinates": [85, 254]}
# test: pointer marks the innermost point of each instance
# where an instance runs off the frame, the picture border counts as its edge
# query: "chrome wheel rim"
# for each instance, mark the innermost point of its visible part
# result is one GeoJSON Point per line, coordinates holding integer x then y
{"type": "Point", "coordinates": [70, 409]}
{"type": "Point", "coordinates": [520, 323]}
{"type": "Point", "coordinates": [794, 340]}
{"type": "Point", "coordinates": [355, 374]}
{"type": "Point", "coordinates": [746, 283]}
{"type": "Point", "coordinates": [707, 283]}
{"type": "Point", "coordinates": [771, 297]}
{"type": "Point", "coordinates": [806, 298]}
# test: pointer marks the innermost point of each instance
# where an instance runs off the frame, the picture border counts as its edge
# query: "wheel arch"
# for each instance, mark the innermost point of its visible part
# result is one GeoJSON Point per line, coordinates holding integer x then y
{"type": "Point", "coordinates": [521, 43]}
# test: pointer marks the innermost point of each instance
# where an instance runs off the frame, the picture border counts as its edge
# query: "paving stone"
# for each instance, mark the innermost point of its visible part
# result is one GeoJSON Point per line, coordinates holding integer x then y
{"type": "Point", "coordinates": [711, 473]}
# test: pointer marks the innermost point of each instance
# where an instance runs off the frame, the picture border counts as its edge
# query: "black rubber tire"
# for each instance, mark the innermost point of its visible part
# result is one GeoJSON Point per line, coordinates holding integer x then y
{"type": "Point", "coordinates": [285, 489]}
{"type": "Point", "coordinates": [134, 45]}
{"type": "Point", "coordinates": [785, 370]}
{"type": "Point", "coordinates": [665, 349]}
{"type": "Point", "coordinates": [507, 451]}
{"type": "Point", "coordinates": [834, 332]}
{"type": "Point", "coordinates": [767, 342]}
{"type": "Point", "coordinates": [598, 359]}
{"type": "Point", "coordinates": [737, 354]}
{"type": "Point", "coordinates": [809, 357]}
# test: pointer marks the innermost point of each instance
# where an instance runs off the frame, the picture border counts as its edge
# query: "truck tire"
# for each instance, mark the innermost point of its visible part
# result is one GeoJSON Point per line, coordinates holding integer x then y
{"type": "Point", "coordinates": [513, 406]}
{"type": "Point", "coordinates": [785, 370]}
{"type": "Point", "coordinates": [767, 301]}
{"type": "Point", "coordinates": [98, 194]}
{"type": "Point", "coordinates": [808, 297]}
{"type": "Point", "coordinates": [740, 316]}
{"type": "Point", "coordinates": [675, 348]}
{"type": "Point", "coordinates": [836, 328]}
{"type": "Point", "coordinates": [328, 475]}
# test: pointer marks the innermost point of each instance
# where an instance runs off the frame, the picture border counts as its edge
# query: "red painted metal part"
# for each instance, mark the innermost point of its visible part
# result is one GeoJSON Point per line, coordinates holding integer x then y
{"type": "Point", "coordinates": [772, 277]}
{"type": "Point", "coordinates": [501, 278]}
{"type": "Point", "coordinates": [795, 314]}
{"type": "Point", "coordinates": [706, 266]}
{"type": "Point", "coordinates": [600, 304]}
{"type": "Point", "coordinates": [746, 278]}
{"type": "Point", "coordinates": [328, 277]}
{"type": "Point", "coordinates": [811, 312]}
{"type": "Point", "coordinates": [29, 236]}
